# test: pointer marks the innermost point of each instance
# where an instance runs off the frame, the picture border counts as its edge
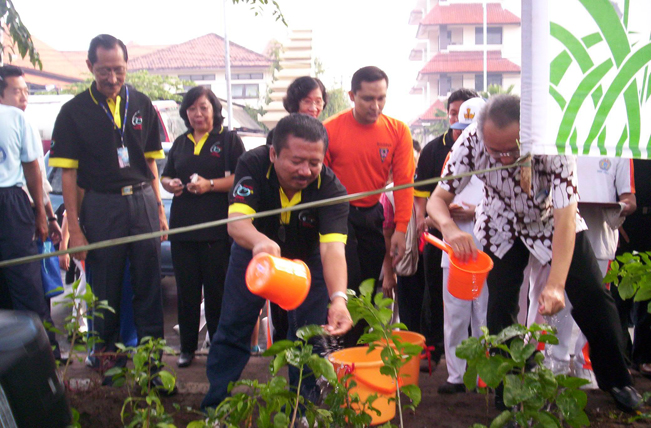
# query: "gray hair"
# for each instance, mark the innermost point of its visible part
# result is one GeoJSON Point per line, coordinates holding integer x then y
{"type": "Point", "coordinates": [502, 110]}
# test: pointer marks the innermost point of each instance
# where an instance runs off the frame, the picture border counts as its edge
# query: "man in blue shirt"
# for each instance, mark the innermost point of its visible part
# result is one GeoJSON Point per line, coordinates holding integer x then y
{"type": "Point", "coordinates": [20, 285]}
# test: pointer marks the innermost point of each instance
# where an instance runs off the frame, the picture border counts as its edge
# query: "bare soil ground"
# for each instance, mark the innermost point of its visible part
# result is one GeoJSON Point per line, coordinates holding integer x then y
{"type": "Point", "coordinates": [100, 406]}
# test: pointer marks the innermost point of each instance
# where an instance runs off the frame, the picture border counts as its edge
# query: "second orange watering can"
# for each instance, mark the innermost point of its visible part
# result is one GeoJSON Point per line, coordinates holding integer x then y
{"type": "Point", "coordinates": [282, 281]}
{"type": "Point", "coordinates": [466, 280]}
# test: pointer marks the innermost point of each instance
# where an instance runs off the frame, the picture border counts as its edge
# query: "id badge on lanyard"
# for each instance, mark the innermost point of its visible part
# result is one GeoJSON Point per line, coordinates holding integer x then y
{"type": "Point", "coordinates": [123, 152]}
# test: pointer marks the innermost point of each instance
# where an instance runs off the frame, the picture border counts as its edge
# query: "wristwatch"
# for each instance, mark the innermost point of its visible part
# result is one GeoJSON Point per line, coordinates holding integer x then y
{"type": "Point", "coordinates": [339, 294]}
{"type": "Point", "coordinates": [212, 183]}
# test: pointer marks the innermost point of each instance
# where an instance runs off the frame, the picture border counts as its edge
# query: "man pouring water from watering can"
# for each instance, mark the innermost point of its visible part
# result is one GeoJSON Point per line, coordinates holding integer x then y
{"type": "Point", "coordinates": [518, 217]}
{"type": "Point", "coordinates": [287, 173]}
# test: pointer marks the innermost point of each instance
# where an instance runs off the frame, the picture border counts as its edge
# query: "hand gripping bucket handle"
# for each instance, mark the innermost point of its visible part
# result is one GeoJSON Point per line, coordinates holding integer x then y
{"type": "Point", "coordinates": [466, 280]}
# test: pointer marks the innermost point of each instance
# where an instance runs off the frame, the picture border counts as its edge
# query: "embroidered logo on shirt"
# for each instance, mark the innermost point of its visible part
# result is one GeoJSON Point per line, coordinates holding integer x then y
{"type": "Point", "coordinates": [605, 164]}
{"type": "Point", "coordinates": [136, 121]}
{"type": "Point", "coordinates": [215, 150]}
{"type": "Point", "coordinates": [241, 190]}
{"type": "Point", "coordinates": [384, 153]}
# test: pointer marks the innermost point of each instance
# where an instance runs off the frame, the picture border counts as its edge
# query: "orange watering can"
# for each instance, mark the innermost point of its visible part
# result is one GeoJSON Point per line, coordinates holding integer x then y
{"type": "Point", "coordinates": [466, 280]}
{"type": "Point", "coordinates": [285, 282]}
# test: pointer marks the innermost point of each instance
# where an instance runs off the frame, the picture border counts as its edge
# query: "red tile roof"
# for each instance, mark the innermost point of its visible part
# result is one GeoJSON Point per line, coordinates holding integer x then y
{"type": "Point", "coordinates": [469, 62]}
{"type": "Point", "coordinates": [205, 52]}
{"type": "Point", "coordinates": [469, 13]}
{"type": "Point", "coordinates": [430, 113]}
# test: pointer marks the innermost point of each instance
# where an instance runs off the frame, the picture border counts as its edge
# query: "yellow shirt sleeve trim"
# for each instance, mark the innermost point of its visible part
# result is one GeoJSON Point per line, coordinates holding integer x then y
{"type": "Point", "coordinates": [64, 163]}
{"type": "Point", "coordinates": [156, 154]}
{"type": "Point", "coordinates": [422, 193]}
{"type": "Point", "coordinates": [241, 209]}
{"type": "Point", "coordinates": [333, 237]}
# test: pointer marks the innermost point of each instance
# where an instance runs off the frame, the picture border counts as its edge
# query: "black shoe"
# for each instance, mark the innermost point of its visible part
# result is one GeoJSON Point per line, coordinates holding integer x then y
{"type": "Point", "coordinates": [158, 384]}
{"type": "Point", "coordinates": [452, 388]}
{"type": "Point", "coordinates": [626, 398]}
{"type": "Point", "coordinates": [185, 359]}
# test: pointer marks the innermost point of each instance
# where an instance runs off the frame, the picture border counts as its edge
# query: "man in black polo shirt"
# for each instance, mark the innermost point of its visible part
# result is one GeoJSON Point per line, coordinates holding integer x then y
{"type": "Point", "coordinates": [430, 164]}
{"type": "Point", "coordinates": [106, 140]}
{"type": "Point", "coordinates": [289, 172]}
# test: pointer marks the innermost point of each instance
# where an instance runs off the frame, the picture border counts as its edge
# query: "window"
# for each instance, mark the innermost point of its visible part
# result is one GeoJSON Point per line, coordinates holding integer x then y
{"type": "Point", "coordinates": [491, 79]}
{"type": "Point", "coordinates": [445, 85]}
{"type": "Point", "coordinates": [196, 77]}
{"type": "Point", "coordinates": [247, 76]}
{"type": "Point", "coordinates": [493, 34]}
{"type": "Point", "coordinates": [245, 91]}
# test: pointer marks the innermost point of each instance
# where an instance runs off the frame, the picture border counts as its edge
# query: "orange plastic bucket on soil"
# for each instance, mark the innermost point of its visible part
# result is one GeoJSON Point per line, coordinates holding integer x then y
{"type": "Point", "coordinates": [285, 282]}
{"type": "Point", "coordinates": [466, 280]}
{"type": "Point", "coordinates": [410, 372]}
{"type": "Point", "coordinates": [365, 370]}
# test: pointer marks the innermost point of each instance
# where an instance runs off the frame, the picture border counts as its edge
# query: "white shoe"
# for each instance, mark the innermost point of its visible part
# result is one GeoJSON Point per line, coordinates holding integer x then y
{"type": "Point", "coordinates": [588, 375]}
{"type": "Point", "coordinates": [557, 367]}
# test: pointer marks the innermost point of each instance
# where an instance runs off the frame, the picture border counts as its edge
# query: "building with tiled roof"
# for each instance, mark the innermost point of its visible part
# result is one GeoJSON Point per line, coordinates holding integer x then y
{"type": "Point", "coordinates": [202, 60]}
{"type": "Point", "coordinates": [450, 47]}
{"type": "Point", "coordinates": [57, 70]}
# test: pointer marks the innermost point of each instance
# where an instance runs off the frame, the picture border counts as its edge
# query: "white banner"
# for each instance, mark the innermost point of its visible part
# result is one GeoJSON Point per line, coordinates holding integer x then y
{"type": "Point", "coordinates": [586, 77]}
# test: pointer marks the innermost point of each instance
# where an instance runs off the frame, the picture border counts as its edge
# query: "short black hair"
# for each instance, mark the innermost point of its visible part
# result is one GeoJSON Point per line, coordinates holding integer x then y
{"type": "Point", "coordinates": [8, 71]}
{"type": "Point", "coordinates": [106, 41]}
{"type": "Point", "coordinates": [300, 126]}
{"type": "Point", "coordinates": [462, 95]}
{"type": "Point", "coordinates": [192, 96]}
{"type": "Point", "coordinates": [367, 74]}
{"type": "Point", "coordinates": [501, 109]}
{"type": "Point", "coordinates": [301, 88]}
{"type": "Point", "coordinates": [416, 145]}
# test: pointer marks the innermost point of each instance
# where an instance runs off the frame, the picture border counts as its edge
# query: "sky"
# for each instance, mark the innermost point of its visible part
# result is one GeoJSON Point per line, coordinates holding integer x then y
{"type": "Point", "coordinates": [347, 34]}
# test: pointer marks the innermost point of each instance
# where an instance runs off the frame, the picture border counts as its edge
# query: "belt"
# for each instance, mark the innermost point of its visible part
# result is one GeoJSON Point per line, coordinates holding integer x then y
{"type": "Point", "coordinates": [364, 209]}
{"type": "Point", "coordinates": [126, 190]}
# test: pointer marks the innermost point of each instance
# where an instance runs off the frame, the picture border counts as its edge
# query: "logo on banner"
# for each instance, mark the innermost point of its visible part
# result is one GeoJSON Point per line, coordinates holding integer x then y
{"type": "Point", "coordinates": [136, 121]}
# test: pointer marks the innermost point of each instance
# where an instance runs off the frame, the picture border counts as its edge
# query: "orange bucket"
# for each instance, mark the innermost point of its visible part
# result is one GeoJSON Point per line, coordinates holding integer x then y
{"type": "Point", "coordinates": [285, 282]}
{"type": "Point", "coordinates": [410, 372]}
{"type": "Point", "coordinates": [365, 370]}
{"type": "Point", "coordinates": [466, 280]}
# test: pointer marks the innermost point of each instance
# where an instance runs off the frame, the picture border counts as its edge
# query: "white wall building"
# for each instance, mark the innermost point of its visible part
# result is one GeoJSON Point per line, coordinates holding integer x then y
{"type": "Point", "coordinates": [202, 61]}
{"type": "Point", "coordinates": [450, 47]}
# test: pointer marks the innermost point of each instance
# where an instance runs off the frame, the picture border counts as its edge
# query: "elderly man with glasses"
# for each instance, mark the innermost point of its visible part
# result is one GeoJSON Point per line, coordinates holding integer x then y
{"type": "Point", "coordinates": [513, 221]}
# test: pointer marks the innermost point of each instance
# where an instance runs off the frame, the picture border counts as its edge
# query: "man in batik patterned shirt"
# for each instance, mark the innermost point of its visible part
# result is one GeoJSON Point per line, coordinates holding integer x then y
{"type": "Point", "coordinates": [512, 223]}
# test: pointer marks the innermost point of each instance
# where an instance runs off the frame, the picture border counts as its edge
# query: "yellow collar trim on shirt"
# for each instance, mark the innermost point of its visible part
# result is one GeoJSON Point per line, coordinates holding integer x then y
{"type": "Point", "coordinates": [198, 146]}
{"type": "Point", "coordinates": [285, 203]}
{"type": "Point", "coordinates": [114, 106]}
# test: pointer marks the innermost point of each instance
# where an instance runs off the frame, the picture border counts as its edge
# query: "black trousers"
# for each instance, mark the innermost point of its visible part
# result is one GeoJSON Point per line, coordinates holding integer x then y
{"type": "Point", "coordinates": [108, 216]}
{"type": "Point", "coordinates": [593, 307]}
{"type": "Point", "coordinates": [197, 266]}
{"type": "Point", "coordinates": [230, 348]}
{"type": "Point", "coordinates": [365, 251]}
{"type": "Point", "coordinates": [410, 292]}
{"type": "Point", "coordinates": [638, 228]}
{"type": "Point", "coordinates": [432, 311]}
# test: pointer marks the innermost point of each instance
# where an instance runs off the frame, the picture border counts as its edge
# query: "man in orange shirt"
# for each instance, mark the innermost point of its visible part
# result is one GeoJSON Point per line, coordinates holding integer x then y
{"type": "Point", "coordinates": [364, 147]}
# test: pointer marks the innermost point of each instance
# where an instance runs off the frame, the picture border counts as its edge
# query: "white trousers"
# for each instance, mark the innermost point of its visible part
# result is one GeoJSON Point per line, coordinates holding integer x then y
{"type": "Point", "coordinates": [458, 315]}
{"type": "Point", "coordinates": [563, 320]}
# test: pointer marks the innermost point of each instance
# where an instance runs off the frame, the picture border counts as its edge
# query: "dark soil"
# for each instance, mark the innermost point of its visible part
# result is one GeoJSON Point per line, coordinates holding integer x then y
{"type": "Point", "coordinates": [100, 406]}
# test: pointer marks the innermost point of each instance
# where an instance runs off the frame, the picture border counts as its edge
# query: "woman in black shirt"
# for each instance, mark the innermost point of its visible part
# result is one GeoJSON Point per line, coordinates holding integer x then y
{"type": "Point", "coordinates": [198, 173]}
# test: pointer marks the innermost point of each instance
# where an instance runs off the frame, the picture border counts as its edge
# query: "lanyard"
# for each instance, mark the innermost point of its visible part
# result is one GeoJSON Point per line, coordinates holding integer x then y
{"type": "Point", "coordinates": [124, 121]}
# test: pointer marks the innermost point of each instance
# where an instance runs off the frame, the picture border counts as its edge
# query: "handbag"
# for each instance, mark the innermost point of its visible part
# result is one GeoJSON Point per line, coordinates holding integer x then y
{"type": "Point", "coordinates": [50, 273]}
{"type": "Point", "coordinates": [408, 265]}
